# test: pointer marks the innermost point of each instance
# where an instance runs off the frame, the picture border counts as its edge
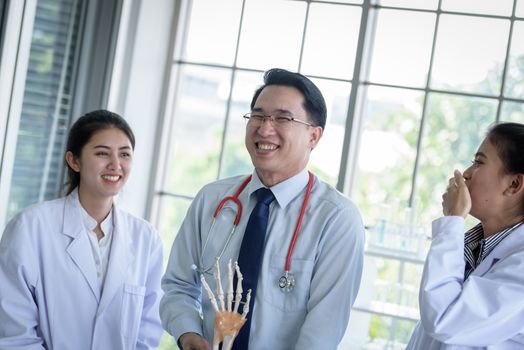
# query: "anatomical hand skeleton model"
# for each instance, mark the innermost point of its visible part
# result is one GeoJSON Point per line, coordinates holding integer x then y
{"type": "Point", "coordinates": [227, 320]}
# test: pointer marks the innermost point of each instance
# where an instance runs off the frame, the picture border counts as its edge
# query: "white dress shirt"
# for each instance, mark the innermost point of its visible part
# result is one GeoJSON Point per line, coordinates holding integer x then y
{"type": "Point", "coordinates": [100, 248]}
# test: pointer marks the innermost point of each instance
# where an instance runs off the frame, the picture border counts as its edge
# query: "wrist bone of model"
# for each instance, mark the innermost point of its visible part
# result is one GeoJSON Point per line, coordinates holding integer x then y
{"type": "Point", "coordinates": [227, 319]}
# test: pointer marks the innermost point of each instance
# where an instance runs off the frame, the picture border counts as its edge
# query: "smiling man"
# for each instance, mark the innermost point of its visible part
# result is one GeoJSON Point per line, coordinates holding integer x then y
{"type": "Point", "coordinates": [304, 266]}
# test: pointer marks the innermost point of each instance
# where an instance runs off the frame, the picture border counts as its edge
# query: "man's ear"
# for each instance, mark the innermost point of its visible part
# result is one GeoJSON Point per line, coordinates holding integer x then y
{"type": "Point", "coordinates": [315, 135]}
{"type": "Point", "coordinates": [72, 161]}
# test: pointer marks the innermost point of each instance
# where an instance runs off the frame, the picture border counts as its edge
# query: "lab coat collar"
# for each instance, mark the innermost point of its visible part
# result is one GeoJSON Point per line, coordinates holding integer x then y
{"type": "Point", "coordinates": [78, 249]}
{"type": "Point", "coordinates": [513, 242]}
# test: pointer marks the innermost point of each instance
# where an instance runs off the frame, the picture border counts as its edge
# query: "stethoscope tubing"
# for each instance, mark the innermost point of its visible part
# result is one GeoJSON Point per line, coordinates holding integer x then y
{"type": "Point", "coordinates": [238, 216]}
{"type": "Point", "coordinates": [291, 247]}
{"type": "Point", "coordinates": [235, 199]}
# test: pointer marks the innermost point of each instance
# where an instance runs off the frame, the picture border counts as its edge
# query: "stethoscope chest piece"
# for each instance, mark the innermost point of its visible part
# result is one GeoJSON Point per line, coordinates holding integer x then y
{"type": "Point", "coordinates": [286, 282]}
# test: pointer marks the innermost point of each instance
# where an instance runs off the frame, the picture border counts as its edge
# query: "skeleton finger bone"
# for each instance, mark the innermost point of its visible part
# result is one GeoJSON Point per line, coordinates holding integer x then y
{"type": "Point", "coordinates": [227, 323]}
{"type": "Point", "coordinates": [238, 295]}
{"type": "Point", "coordinates": [210, 294]}
{"type": "Point", "coordinates": [220, 291]}
{"type": "Point", "coordinates": [229, 285]}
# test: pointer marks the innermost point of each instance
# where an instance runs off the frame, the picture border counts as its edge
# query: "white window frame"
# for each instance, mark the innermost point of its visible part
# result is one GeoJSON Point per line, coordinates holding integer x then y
{"type": "Point", "coordinates": [15, 59]}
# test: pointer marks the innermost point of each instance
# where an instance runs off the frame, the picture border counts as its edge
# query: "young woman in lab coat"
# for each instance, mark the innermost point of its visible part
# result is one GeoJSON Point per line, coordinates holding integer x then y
{"type": "Point", "coordinates": [472, 289]}
{"type": "Point", "coordinates": [78, 272]}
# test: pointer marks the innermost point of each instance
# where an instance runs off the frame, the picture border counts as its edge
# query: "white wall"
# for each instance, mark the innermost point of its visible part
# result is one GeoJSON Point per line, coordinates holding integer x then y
{"type": "Point", "coordinates": [137, 87]}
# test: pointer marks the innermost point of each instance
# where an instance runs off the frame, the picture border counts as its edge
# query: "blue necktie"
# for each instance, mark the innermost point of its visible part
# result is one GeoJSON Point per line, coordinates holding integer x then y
{"type": "Point", "coordinates": [250, 258]}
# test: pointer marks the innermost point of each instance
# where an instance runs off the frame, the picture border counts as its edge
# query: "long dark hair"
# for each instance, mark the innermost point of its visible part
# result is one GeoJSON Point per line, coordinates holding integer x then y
{"type": "Point", "coordinates": [82, 131]}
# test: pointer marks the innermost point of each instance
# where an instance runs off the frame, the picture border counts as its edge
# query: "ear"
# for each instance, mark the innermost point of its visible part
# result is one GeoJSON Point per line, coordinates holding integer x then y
{"type": "Point", "coordinates": [516, 185]}
{"type": "Point", "coordinates": [72, 161]}
{"type": "Point", "coordinates": [314, 136]}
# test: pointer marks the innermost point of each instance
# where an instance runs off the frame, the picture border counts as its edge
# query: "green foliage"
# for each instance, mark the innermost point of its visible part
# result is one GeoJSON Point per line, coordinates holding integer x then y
{"type": "Point", "coordinates": [393, 185]}
{"type": "Point", "coordinates": [378, 328]}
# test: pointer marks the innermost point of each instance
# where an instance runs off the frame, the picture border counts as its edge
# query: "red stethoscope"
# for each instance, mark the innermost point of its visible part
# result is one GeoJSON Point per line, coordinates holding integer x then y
{"type": "Point", "coordinates": [286, 282]}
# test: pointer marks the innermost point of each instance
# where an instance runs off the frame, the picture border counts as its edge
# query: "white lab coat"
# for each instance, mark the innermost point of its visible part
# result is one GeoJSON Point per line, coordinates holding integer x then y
{"type": "Point", "coordinates": [49, 292]}
{"type": "Point", "coordinates": [484, 312]}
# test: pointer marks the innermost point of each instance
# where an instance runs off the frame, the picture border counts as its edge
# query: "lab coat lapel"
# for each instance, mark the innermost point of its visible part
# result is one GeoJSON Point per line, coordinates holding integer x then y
{"type": "Point", "coordinates": [78, 249]}
{"type": "Point", "coordinates": [513, 241]}
{"type": "Point", "coordinates": [119, 260]}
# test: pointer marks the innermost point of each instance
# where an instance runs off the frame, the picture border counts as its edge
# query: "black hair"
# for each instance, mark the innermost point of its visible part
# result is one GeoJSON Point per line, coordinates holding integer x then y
{"type": "Point", "coordinates": [314, 102]}
{"type": "Point", "coordinates": [82, 131]}
{"type": "Point", "coordinates": [508, 139]}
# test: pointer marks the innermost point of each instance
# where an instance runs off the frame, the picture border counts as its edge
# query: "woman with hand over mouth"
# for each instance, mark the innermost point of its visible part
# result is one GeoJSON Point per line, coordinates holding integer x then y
{"type": "Point", "coordinates": [472, 289]}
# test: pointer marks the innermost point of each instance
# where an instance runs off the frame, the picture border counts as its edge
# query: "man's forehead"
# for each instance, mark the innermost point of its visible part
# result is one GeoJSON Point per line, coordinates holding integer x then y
{"type": "Point", "coordinates": [279, 97]}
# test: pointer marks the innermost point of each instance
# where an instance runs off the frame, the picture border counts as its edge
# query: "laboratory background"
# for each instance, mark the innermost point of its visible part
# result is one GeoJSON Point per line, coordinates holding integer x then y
{"type": "Point", "coordinates": [411, 87]}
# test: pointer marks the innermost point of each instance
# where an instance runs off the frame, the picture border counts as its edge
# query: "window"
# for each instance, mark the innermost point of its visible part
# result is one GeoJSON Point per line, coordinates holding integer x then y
{"type": "Point", "coordinates": [56, 59]}
{"type": "Point", "coordinates": [47, 103]}
{"type": "Point", "coordinates": [2, 19]}
{"type": "Point", "coordinates": [411, 88]}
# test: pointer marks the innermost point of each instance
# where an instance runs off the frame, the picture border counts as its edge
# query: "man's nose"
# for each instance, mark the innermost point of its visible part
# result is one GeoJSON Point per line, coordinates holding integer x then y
{"type": "Point", "coordinates": [266, 124]}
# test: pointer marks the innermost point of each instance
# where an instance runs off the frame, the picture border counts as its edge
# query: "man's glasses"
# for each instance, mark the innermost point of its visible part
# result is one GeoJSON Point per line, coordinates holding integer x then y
{"type": "Point", "coordinates": [256, 119]}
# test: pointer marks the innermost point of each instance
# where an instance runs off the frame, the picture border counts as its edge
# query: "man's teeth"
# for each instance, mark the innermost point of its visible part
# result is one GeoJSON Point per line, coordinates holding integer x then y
{"type": "Point", "coordinates": [110, 178]}
{"type": "Point", "coordinates": [266, 147]}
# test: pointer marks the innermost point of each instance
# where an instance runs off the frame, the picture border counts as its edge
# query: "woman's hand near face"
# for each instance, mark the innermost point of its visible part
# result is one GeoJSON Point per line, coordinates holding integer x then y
{"type": "Point", "coordinates": [456, 200]}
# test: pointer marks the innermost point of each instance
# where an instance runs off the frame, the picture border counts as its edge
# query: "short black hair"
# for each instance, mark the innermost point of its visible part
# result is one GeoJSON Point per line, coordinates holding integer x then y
{"type": "Point", "coordinates": [314, 102]}
{"type": "Point", "coordinates": [84, 128]}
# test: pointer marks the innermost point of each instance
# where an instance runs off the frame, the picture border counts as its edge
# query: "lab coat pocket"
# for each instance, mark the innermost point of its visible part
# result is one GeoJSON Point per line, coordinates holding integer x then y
{"type": "Point", "coordinates": [293, 300]}
{"type": "Point", "coordinates": [132, 303]}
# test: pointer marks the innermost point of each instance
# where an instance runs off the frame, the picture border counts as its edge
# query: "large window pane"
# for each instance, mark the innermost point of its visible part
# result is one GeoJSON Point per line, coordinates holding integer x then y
{"type": "Point", "coordinates": [271, 34]}
{"type": "Point", "coordinates": [374, 331]}
{"type": "Point", "coordinates": [325, 159]}
{"type": "Point", "coordinates": [470, 54]}
{"type": "Point", "coordinates": [236, 159]}
{"type": "Point", "coordinates": [38, 166]}
{"type": "Point", "coordinates": [331, 40]}
{"type": "Point", "coordinates": [512, 112]}
{"type": "Point", "coordinates": [212, 32]}
{"type": "Point", "coordinates": [199, 116]}
{"type": "Point", "coordinates": [515, 73]}
{"type": "Point", "coordinates": [490, 7]}
{"type": "Point", "coordinates": [519, 12]}
{"type": "Point", "coordinates": [402, 48]}
{"type": "Point", "coordinates": [173, 210]}
{"type": "Point", "coordinates": [388, 141]}
{"type": "Point", "coordinates": [395, 287]}
{"type": "Point", "coordinates": [455, 127]}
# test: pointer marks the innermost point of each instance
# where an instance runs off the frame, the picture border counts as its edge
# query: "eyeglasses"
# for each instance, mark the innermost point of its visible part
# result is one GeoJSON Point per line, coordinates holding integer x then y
{"type": "Point", "coordinates": [257, 119]}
